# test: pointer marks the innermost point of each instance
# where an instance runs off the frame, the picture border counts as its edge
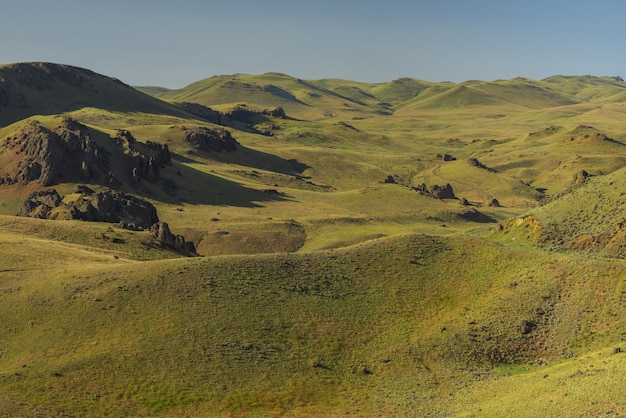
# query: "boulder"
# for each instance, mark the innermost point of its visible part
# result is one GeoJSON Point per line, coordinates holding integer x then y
{"type": "Point", "coordinates": [526, 327]}
{"type": "Point", "coordinates": [581, 177]}
{"type": "Point", "coordinates": [162, 236]}
{"type": "Point", "coordinates": [206, 139]}
{"type": "Point", "coordinates": [113, 206]}
{"type": "Point", "coordinates": [40, 203]}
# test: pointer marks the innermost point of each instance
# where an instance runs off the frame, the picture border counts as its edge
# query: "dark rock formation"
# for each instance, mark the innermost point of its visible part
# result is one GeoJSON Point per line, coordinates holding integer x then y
{"type": "Point", "coordinates": [113, 206]}
{"type": "Point", "coordinates": [435, 191]}
{"type": "Point", "coordinates": [279, 112]}
{"type": "Point", "coordinates": [51, 156]}
{"type": "Point", "coordinates": [447, 157]}
{"type": "Point", "coordinates": [475, 163]}
{"type": "Point", "coordinates": [127, 211]}
{"type": "Point", "coordinates": [494, 203]}
{"type": "Point", "coordinates": [389, 180]}
{"type": "Point", "coordinates": [526, 327]}
{"type": "Point", "coordinates": [161, 235]}
{"type": "Point", "coordinates": [40, 203]}
{"type": "Point", "coordinates": [464, 202]}
{"type": "Point", "coordinates": [108, 206]}
{"type": "Point", "coordinates": [206, 139]}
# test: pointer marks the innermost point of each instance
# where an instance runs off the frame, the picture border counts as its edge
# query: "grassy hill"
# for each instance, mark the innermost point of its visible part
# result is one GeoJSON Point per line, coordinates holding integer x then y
{"type": "Point", "coordinates": [333, 278]}
{"type": "Point", "coordinates": [28, 89]}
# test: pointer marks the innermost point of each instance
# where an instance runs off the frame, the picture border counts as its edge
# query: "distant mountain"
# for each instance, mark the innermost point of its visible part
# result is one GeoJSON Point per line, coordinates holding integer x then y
{"type": "Point", "coordinates": [28, 89]}
{"type": "Point", "coordinates": [317, 99]}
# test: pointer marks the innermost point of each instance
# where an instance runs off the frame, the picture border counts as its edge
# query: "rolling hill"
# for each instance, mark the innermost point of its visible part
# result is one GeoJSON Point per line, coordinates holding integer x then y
{"type": "Point", "coordinates": [390, 249]}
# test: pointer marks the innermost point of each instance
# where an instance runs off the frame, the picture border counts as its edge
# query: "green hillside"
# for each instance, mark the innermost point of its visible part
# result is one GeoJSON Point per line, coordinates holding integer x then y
{"type": "Point", "coordinates": [28, 89]}
{"type": "Point", "coordinates": [405, 248]}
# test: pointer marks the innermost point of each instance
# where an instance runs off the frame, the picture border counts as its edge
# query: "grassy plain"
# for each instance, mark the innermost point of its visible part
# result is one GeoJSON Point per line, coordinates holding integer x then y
{"type": "Point", "coordinates": [323, 290]}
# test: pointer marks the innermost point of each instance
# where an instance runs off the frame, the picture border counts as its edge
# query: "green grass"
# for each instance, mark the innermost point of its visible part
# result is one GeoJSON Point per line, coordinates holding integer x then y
{"type": "Point", "coordinates": [377, 327]}
{"type": "Point", "coordinates": [324, 291]}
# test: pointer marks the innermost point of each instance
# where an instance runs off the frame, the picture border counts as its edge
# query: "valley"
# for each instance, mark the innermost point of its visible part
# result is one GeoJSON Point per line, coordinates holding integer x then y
{"type": "Point", "coordinates": [406, 248]}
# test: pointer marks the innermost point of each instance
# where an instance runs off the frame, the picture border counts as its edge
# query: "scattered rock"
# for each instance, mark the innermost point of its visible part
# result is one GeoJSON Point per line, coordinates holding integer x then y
{"type": "Point", "coordinates": [494, 203]}
{"type": "Point", "coordinates": [389, 180]}
{"type": "Point", "coordinates": [475, 163]}
{"type": "Point", "coordinates": [464, 202]}
{"type": "Point", "coordinates": [581, 177]}
{"type": "Point", "coordinates": [526, 327]}
{"type": "Point", "coordinates": [448, 157]}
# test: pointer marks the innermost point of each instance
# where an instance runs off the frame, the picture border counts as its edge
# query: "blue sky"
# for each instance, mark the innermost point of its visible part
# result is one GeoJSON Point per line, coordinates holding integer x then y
{"type": "Point", "coordinates": [174, 43]}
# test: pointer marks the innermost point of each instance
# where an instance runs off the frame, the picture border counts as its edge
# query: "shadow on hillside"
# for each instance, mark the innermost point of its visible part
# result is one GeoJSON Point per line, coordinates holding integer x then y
{"type": "Point", "coordinates": [197, 187]}
{"type": "Point", "coordinates": [248, 157]}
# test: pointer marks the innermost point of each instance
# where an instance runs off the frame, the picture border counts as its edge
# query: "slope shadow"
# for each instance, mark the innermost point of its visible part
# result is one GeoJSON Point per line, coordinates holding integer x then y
{"type": "Point", "coordinates": [248, 157]}
{"type": "Point", "coordinates": [201, 188]}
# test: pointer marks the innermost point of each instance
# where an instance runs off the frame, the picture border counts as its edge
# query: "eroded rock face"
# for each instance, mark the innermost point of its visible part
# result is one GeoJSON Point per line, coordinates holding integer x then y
{"type": "Point", "coordinates": [40, 203]}
{"type": "Point", "coordinates": [162, 236]}
{"type": "Point", "coordinates": [51, 156]}
{"type": "Point", "coordinates": [206, 139]}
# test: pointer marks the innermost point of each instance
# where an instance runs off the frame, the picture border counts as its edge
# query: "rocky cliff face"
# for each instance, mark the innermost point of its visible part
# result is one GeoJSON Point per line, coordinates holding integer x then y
{"type": "Point", "coordinates": [69, 153]}
{"type": "Point", "coordinates": [64, 153]}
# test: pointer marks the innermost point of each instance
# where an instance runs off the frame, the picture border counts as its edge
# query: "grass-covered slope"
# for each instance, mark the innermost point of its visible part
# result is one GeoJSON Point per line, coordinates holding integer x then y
{"type": "Point", "coordinates": [411, 325]}
{"type": "Point", "coordinates": [590, 218]}
{"type": "Point", "coordinates": [28, 89]}
{"type": "Point", "coordinates": [333, 280]}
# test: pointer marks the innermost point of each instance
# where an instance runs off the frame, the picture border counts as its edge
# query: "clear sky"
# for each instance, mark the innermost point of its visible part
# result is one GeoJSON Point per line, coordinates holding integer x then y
{"type": "Point", "coordinates": [172, 43]}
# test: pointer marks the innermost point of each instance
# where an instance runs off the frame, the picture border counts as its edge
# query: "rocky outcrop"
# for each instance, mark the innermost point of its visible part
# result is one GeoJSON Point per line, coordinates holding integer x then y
{"type": "Point", "coordinates": [162, 236]}
{"type": "Point", "coordinates": [107, 206]}
{"type": "Point", "coordinates": [389, 180]}
{"type": "Point", "coordinates": [51, 156]}
{"type": "Point", "coordinates": [435, 191]}
{"type": "Point", "coordinates": [40, 203]}
{"type": "Point", "coordinates": [127, 211]}
{"type": "Point", "coordinates": [580, 177]}
{"type": "Point", "coordinates": [68, 153]}
{"type": "Point", "coordinates": [113, 206]}
{"type": "Point", "coordinates": [206, 139]}
{"type": "Point", "coordinates": [475, 163]}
